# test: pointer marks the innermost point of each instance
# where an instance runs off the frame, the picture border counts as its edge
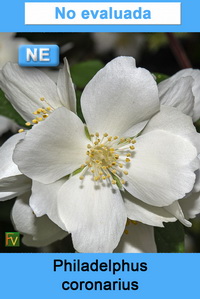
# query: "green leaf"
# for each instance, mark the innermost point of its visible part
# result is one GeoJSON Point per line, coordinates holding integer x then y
{"type": "Point", "coordinates": [170, 238]}
{"type": "Point", "coordinates": [6, 109]}
{"type": "Point", "coordinates": [83, 72]}
{"type": "Point", "coordinates": [160, 77]}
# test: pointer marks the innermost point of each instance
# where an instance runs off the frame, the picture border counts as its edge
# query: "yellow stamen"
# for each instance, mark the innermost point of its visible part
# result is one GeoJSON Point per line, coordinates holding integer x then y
{"type": "Point", "coordinates": [114, 171]}
{"type": "Point", "coordinates": [20, 130]}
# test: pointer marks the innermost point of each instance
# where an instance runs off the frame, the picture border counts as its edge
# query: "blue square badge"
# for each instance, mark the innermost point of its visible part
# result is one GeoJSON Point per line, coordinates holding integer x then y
{"type": "Point", "coordinates": [38, 55]}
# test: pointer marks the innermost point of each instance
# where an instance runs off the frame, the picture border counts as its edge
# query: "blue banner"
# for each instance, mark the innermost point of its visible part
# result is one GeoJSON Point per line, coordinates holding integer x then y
{"type": "Point", "coordinates": [96, 275]}
{"type": "Point", "coordinates": [100, 16]}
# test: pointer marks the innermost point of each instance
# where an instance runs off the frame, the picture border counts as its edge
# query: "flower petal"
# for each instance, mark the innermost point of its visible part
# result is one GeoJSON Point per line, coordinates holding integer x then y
{"type": "Point", "coordinates": [93, 213]}
{"type": "Point", "coordinates": [7, 166]}
{"type": "Point", "coordinates": [12, 182]}
{"type": "Point", "coordinates": [178, 94]}
{"type": "Point", "coordinates": [65, 88]}
{"type": "Point", "coordinates": [162, 168]}
{"type": "Point", "coordinates": [13, 186]}
{"type": "Point", "coordinates": [195, 74]}
{"type": "Point", "coordinates": [118, 97]}
{"type": "Point", "coordinates": [147, 214]}
{"type": "Point", "coordinates": [176, 210]}
{"type": "Point", "coordinates": [43, 200]}
{"type": "Point", "coordinates": [25, 86]}
{"type": "Point", "coordinates": [54, 148]}
{"type": "Point", "coordinates": [37, 231]}
{"type": "Point", "coordinates": [172, 120]}
{"type": "Point", "coordinates": [137, 239]}
{"type": "Point", "coordinates": [190, 205]}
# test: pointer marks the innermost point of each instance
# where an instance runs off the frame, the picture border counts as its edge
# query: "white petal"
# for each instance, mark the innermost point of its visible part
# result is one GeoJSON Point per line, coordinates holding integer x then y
{"type": "Point", "coordinates": [142, 212]}
{"type": "Point", "coordinates": [13, 186]}
{"type": "Point", "coordinates": [65, 88]}
{"type": "Point", "coordinates": [7, 166]}
{"type": "Point", "coordinates": [195, 74]}
{"type": "Point", "coordinates": [7, 195]}
{"type": "Point", "coordinates": [43, 200]}
{"type": "Point", "coordinates": [171, 120]}
{"type": "Point", "coordinates": [37, 231]}
{"type": "Point", "coordinates": [118, 97]}
{"type": "Point", "coordinates": [191, 205]}
{"type": "Point", "coordinates": [93, 213]}
{"type": "Point", "coordinates": [162, 168]}
{"type": "Point", "coordinates": [54, 148]}
{"type": "Point", "coordinates": [25, 86]}
{"type": "Point", "coordinates": [178, 94]}
{"type": "Point", "coordinates": [176, 210]}
{"type": "Point", "coordinates": [12, 182]}
{"type": "Point", "coordinates": [140, 238]}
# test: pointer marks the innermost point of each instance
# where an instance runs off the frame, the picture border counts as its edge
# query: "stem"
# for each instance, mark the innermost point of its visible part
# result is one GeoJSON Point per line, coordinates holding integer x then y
{"type": "Point", "coordinates": [178, 51]}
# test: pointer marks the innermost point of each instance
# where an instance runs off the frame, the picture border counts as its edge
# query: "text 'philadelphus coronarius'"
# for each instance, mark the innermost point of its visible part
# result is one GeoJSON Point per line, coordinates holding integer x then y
{"type": "Point", "coordinates": [133, 158]}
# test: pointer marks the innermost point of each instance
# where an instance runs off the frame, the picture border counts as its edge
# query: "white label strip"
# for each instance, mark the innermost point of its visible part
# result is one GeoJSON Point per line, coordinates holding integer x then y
{"type": "Point", "coordinates": [103, 13]}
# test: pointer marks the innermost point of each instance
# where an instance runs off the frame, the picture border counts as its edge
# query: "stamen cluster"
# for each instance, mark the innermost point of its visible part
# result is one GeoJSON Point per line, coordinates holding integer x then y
{"type": "Point", "coordinates": [107, 156]}
{"type": "Point", "coordinates": [43, 113]}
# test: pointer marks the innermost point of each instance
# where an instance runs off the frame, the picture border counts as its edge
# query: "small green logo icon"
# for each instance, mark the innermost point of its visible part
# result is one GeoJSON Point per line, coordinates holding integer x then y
{"type": "Point", "coordinates": [12, 239]}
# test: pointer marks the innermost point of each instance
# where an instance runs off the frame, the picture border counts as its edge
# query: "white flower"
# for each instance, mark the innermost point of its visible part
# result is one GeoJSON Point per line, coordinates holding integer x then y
{"type": "Point", "coordinates": [29, 89]}
{"type": "Point", "coordinates": [176, 92]}
{"type": "Point", "coordinates": [19, 86]}
{"type": "Point", "coordinates": [119, 100]}
{"type": "Point", "coordinates": [93, 205]}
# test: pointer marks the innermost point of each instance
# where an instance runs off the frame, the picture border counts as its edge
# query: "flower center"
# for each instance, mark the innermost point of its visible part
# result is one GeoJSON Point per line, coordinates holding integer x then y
{"type": "Point", "coordinates": [107, 156]}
